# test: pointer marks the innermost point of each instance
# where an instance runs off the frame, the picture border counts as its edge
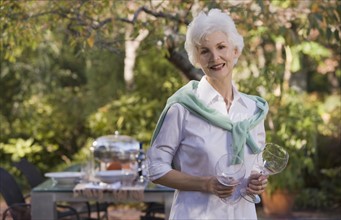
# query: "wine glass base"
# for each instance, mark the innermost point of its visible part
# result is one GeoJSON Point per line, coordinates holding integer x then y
{"type": "Point", "coordinates": [250, 197]}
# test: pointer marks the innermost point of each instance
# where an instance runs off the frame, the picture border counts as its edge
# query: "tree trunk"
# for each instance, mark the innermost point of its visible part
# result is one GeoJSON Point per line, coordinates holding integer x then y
{"type": "Point", "coordinates": [180, 61]}
{"type": "Point", "coordinates": [131, 46]}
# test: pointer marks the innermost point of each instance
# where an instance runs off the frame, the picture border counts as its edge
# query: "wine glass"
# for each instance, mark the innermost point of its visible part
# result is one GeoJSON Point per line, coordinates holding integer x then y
{"type": "Point", "coordinates": [272, 160]}
{"type": "Point", "coordinates": [230, 171]}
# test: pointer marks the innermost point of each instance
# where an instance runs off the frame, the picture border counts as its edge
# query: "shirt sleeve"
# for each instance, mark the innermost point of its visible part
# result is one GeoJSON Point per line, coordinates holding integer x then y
{"type": "Point", "coordinates": [160, 154]}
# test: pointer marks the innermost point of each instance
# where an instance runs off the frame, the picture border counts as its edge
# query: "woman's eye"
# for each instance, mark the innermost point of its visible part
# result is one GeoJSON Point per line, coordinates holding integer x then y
{"type": "Point", "coordinates": [203, 52]}
{"type": "Point", "coordinates": [221, 47]}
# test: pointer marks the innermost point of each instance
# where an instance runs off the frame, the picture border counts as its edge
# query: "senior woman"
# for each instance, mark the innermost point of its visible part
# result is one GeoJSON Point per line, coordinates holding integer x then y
{"type": "Point", "coordinates": [204, 120]}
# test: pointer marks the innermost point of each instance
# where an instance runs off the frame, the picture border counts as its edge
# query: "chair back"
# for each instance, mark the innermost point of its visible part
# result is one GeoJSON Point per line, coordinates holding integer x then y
{"type": "Point", "coordinates": [30, 171]}
{"type": "Point", "coordinates": [14, 198]}
{"type": "Point", "coordinates": [10, 189]}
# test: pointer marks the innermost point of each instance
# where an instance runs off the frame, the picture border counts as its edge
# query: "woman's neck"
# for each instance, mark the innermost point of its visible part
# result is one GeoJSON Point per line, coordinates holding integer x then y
{"type": "Point", "coordinates": [223, 87]}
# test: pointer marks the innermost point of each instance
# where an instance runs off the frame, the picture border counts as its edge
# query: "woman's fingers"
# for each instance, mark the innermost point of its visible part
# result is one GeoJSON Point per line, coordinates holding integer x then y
{"type": "Point", "coordinates": [221, 190]}
{"type": "Point", "coordinates": [257, 188]}
{"type": "Point", "coordinates": [257, 184]}
{"type": "Point", "coordinates": [223, 193]}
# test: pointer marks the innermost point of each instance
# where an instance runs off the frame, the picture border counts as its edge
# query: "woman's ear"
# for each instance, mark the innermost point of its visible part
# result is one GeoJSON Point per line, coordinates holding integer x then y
{"type": "Point", "coordinates": [197, 64]}
{"type": "Point", "coordinates": [236, 52]}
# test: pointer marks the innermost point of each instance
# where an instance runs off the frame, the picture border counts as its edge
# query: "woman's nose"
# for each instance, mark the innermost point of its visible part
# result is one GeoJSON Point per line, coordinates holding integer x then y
{"type": "Point", "coordinates": [215, 55]}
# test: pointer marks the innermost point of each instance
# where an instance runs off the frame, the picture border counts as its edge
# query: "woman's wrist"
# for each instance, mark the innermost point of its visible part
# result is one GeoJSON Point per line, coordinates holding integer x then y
{"type": "Point", "coordinates": [207, 184]}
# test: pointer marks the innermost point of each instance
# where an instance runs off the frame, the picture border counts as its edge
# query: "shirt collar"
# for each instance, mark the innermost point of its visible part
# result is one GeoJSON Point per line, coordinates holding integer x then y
{"type": "Point", "coordinates": [205, 92]}
{"type": "Point", "coordinates": [208, 94]}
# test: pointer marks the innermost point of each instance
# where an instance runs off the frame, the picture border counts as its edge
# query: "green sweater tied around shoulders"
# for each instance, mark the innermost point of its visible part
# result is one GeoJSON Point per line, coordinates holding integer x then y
{"type": "Point", "coordinates": [240, 130]}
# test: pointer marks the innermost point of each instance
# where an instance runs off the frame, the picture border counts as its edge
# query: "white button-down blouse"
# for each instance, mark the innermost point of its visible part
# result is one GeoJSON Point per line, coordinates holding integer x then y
{"type": "Point", "coordinates": [192, 145]}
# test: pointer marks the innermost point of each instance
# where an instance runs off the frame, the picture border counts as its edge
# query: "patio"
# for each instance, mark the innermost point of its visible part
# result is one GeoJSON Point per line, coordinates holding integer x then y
{"type": "Point", "coordinates": [126, 212]}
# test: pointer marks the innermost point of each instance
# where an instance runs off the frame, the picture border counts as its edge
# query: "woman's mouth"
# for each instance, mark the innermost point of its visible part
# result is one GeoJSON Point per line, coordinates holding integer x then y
{"type": "Point", "coordinates": [217, 67]}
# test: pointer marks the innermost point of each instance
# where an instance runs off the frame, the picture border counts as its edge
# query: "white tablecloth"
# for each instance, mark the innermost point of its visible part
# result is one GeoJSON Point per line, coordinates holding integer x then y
{"type": "Point", "coordinates": [118, 191]}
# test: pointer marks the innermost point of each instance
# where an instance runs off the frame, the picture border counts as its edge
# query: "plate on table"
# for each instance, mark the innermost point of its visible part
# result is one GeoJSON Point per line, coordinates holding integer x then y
{"type": "Point", "coordinates": [112, 176]}
{"type": "Point", "coordinates": [65, 177]}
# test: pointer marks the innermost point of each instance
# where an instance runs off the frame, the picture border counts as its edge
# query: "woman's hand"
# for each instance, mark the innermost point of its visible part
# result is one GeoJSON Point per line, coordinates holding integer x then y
{"type": "Point", "coordinates": [218, 189]}
{"type": "Point", "coordinates": [256, 183]}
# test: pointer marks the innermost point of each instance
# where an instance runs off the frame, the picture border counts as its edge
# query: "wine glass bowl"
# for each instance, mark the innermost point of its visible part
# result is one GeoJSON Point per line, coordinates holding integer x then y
{"type": "Point", "coordinates": [272, 160]}
{"type": "Point", "coordinates": [230, 171]}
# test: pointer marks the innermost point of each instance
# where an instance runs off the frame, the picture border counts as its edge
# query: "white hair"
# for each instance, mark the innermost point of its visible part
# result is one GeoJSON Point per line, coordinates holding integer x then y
{"type": "Point", "coordinates": [203, 24]}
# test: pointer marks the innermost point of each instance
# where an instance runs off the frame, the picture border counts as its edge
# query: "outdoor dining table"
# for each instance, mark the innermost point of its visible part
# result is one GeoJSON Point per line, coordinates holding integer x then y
{"type": "Point", "coordinates": [45, 196]}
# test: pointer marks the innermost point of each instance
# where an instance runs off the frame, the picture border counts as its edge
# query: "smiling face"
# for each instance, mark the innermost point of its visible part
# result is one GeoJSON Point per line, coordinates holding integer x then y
{"type": "Point", "coordinates": [216, 56]}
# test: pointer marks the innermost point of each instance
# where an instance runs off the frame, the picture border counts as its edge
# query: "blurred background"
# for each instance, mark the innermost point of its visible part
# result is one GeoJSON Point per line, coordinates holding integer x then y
{"type": "Point", "coordinates": [72, 71]}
